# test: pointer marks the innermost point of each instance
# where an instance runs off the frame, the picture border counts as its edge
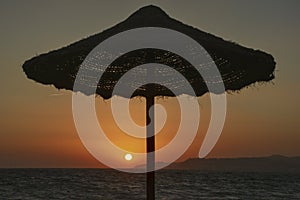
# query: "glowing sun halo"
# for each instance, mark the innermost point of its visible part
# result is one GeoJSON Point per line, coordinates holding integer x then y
{"type": "Point", "coordinates": [128, 157]}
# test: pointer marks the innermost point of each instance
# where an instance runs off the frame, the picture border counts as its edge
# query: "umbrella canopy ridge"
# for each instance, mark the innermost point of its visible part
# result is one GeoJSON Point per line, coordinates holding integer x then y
{"type": "Point", "coordinates": [239, 66]}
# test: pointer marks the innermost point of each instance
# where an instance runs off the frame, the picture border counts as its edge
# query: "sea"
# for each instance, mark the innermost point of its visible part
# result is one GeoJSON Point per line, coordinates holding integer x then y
{"type": "Point", "coordinates": [94, 184]}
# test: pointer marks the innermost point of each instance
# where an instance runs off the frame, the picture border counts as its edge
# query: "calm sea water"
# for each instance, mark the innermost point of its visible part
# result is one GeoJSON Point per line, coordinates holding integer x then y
{"type": "Point", "coordinates": [170, 184]}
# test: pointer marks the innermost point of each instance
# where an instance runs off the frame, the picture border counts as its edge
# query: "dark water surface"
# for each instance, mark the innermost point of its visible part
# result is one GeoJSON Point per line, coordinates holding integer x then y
{"type": "Point", "coordinates": [170, 184]}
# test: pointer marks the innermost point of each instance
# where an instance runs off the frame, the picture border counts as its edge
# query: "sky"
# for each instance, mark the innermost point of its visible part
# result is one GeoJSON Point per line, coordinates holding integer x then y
{"type": "Point", "coordinates": [36, 123]}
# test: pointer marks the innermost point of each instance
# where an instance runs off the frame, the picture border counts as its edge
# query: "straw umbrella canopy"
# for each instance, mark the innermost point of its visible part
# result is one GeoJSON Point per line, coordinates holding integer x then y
{"type": "Point", "coordinates": [238, 66]}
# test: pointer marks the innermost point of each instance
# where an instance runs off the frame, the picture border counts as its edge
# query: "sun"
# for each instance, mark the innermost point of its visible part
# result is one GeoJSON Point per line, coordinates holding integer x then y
{"type": "Point", "coordinates": [128, 157]}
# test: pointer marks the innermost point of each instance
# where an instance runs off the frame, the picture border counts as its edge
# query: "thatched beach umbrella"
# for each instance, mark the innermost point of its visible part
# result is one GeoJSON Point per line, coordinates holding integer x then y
{"type": "Point", "coordinates": [239, 66]}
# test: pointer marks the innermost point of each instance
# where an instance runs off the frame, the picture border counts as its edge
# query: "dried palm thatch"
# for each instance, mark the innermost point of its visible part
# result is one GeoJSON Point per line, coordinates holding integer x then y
{"type": "Point", "coordinates": [239, 66]}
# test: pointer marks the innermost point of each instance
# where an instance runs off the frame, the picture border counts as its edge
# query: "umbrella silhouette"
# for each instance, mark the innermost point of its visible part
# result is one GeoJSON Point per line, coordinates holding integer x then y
{"type": "Point", "coordinates": [238, 66]}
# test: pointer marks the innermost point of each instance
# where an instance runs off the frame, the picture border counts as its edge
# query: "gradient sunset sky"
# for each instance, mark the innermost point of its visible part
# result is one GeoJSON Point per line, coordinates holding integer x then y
{"type": "Point", "coordinates": [36, 123]}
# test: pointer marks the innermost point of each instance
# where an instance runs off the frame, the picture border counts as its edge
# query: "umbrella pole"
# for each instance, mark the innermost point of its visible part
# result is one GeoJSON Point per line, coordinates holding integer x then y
{"type": "Point", "coordinates": [150, 148]}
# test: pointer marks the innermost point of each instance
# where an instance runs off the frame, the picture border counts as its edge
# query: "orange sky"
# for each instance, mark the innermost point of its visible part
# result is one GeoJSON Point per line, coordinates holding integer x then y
{"type": "Point", "coordinates": [37, 128]}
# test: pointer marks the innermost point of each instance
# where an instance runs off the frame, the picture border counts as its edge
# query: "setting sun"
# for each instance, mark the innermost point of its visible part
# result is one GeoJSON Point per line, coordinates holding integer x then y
{"type": "Point", "coordinates": [128, 157]}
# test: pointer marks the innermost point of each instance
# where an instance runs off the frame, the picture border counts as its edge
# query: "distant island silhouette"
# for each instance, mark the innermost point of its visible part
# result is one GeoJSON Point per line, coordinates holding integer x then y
{"type": "Point", "coordinates": [274, 163]}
